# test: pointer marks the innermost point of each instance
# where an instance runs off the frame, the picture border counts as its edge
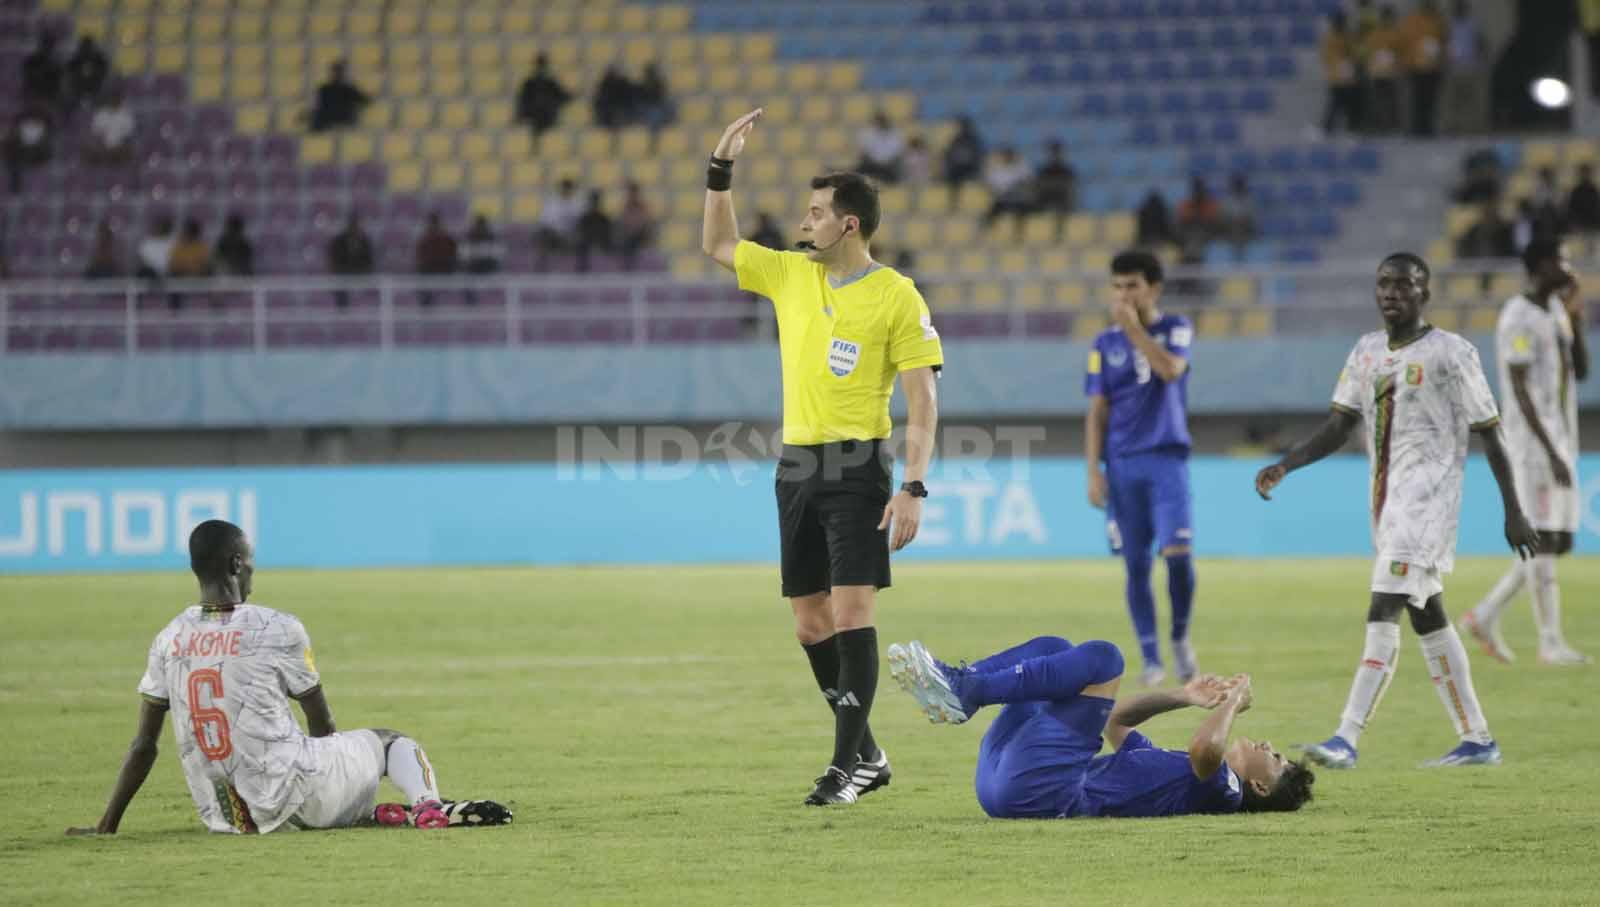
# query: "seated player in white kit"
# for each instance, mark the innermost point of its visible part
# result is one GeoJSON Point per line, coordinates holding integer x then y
{"type": "Point", "coordinates": [227, 670]}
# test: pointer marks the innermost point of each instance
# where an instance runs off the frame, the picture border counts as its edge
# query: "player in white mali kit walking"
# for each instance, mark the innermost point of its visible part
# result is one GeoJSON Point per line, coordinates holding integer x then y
{"type": "Point", "coordinates": [1540, 344]}
{"type": "Point", "coordinates": [1419, 390]}
{"type": "Point", "coordinates": [227, 670]}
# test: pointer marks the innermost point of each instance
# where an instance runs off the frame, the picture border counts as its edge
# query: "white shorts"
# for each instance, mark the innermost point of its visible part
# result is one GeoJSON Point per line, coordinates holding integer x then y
{"type": "Point", "coordinates": [1417, 584]}
{"type": "Point", "coordinates": [344, 789]}
{"type": "Point", "coordinates": [1548, 506]}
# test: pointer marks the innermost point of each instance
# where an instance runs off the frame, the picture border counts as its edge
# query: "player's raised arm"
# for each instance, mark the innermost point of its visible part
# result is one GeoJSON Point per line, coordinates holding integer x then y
{"type": "Point", "coordinates": [1205, 691]}
{"type": "Point", "coordinates": [135, 768]}
{"type": "Point", "coordinates": [1210, 741]}
{"type": "Point", "coordinates": [1333, 435]}
{"type": "Point", "coordinates": [719, 235]}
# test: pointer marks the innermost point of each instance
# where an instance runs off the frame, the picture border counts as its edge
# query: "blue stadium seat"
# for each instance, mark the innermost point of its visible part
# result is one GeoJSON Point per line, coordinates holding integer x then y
{"type": "Point", "coordinates": [992, 43]}
{"type": "Point", "coordinates": [1055, 11]}
{"type": "Point", "coordinates": [1226, 132]}
{"type": "Point", "coordinates": [1187, 132]}
{"type": "Point", "coordinates": [1266, 195]}
{"type": "Point", "coordinates": [1171, 9]}
{"type": "Point", "coordinates": [1029, 42]}
{"type": "Point", "coordinates": [1121, 70]}
{"type": "Point", "coordinates": [1161, 69]}
{"type": "Point", "coordinates": [1240, 67]}
{"type": "Point", "coordinates": [1300, 193]}
{"type": "Point", "coordinates": [1108, 41]}
{"type": "Point", "coordinates": [1219, 254]}
{"type": "Point", "coordinates": [1135, 104]}
{"type": "Point", "coordinates": [1176, 103]}
{"type": "Point", "coordinates": [1214, 101]}
{"type": "Point", "coordinates": [1094, 9]}
{"type": "Point", "coordinates": [1322, 159]}
{"type": "Point", "coordinates": [1014, 12]}
{"type": "Point", "coordinates": [938, 14]}
{"type": "Point", "coordinates": [1081, 72]}
{"type": "Point", "coordinates": [1146, 40]}
{"type": "Point", "coordinates": [1183, 38]}
{"type": "Point", "coordinates": [1200, 69]}
{"type": "Point", "coordinates": [1301, 255]}
{"type": "Point", "coordinates": [1095, 105]}
{"type": "Point", "coordinates": [1133, 10]}
{"type": "Point", "coordinates": [1255, 100]}
{"type": "Point", "coordinates": [975, 13]}
{"type": "Point", "coordinates": [1364, 159]}
{"type": "Point", "coordinates": [1224, 37]}
{"type": "Point", "coordinates": [1283, 160]}
{"type": "Point", "coordinates": [1510, 153]}
{"type": "Point", "coordinates": [1261, 34]}
{"type": "Point", "coordinates": [1274, 224]}
{"type": "Point", "coordinates": [1067, 42]}
{"type": "Point", "coordinates": [1303, 33]}
{"type": "Point", "coordinates": [1344, 193]}
{"type": "Point", "coordinates": [1280, 66]}
{"type": "Point", "coordinates": [1039, 72]}
{"type": "Point", "coordinates": [1260, 252]}
{"type": "Point", "coordinates": [1146, 133]}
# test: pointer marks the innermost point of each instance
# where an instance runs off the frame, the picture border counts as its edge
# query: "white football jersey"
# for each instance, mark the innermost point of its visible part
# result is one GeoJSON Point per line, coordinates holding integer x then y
{"type": "Point", "coordinates": [228, 675]}
{"type": "Point", "coordinates": [1541, 339]}
{"type": "Point", "coordinates": [1418, 402]}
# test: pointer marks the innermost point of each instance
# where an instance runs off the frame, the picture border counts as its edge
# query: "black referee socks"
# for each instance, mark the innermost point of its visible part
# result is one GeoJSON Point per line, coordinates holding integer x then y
{"type": "Point", "coordinates": [858, 681]}
{"type": "Point", "coordinates": [824, 658]}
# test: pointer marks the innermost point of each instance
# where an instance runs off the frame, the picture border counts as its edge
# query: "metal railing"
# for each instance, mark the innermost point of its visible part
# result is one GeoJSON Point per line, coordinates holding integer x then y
{"type": "Point", "coordinates": [388, 311]}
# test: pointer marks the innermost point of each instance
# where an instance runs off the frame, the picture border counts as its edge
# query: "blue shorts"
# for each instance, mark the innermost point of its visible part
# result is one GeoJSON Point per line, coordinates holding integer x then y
{"type": "Point", "coordinates": [1034, 758]}
{"type": "Point", "coordinates": [1149, 502]}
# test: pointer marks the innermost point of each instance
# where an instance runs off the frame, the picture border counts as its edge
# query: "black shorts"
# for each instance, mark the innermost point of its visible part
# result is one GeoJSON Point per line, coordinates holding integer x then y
{"type": "Point", "coordinates": [830, 502]}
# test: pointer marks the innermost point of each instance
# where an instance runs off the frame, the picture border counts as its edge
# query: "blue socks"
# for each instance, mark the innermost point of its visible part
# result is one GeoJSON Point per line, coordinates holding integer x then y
{"type": "Point", "coordinates": [1180, 588]}
{"type": "Point", "coordinates": [1142, 604]}
{"type": "Point", "coordinates": [1057, 676]}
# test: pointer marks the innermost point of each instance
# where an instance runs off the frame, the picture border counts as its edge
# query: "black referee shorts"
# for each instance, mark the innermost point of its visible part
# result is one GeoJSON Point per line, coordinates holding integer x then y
{"type": "Point", "coordinates": [830, 501]}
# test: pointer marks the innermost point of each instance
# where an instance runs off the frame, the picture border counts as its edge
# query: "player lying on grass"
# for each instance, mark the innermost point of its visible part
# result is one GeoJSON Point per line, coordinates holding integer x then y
{"type": "Point", "coordinates": [227, 671]}
{"type": "Point", "coordinates": [1039, 757]}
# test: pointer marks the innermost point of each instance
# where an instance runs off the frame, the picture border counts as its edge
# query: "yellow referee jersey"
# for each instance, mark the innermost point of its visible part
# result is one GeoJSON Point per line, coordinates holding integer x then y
{"type": "Point", "coordinates": [841, 348]}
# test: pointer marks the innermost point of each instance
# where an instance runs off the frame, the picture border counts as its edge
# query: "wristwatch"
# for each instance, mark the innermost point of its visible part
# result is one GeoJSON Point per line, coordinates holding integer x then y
{"type": "Point", "coordinates": [915, 489]}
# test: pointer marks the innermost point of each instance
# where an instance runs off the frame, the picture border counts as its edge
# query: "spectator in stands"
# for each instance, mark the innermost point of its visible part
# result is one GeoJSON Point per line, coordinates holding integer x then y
{"type": "Point", "coordinates": [557, 228]}
{"type": "Point", "coordinates": [652, 104]}
{"type": "Point", "coordinates": [28, 143]}
{"type": "Point", "coordinates": [1381, 49]}
{"type": "Point", "coordinates": [882, 150]}
{"type": "Point", "coordinates": [540, 101]}
{"type": "Point", "coordinates": [339, 102]}
{"type": "Point", "coordinates": [1199, 218]}
{"type": "Point", "coordinates": [234, 255]}
{"type": "Point", "coordinates": [1546, 211]}
{"type": "Point", "coordinates": [963, 157]}
{"type": "Point", "coordinates": [768, 233]}
{"type": "Point", "coordinates": [636, 227]}
{"type": "Point", "coordinates": [1154, 222]}
{"type": "Point", "coordinates": [1237, 217]}
{"type": "Point", "coordinates": [1535, 222]}
{"type": "Point", "coordinates": [1056, 187]}
{"type": "Point", "coordinates": [615, 99]}
{"type": "Point", "coordinates": [916, 167]}
{"type": "Point", "coordinates": [155, 254]}
{"type": "Point", "coordinates": [1490, 237]}
{"type": "Point", "coordinates": [1010, 182]}
{"type": "Point", "coordinates": [1583, 207]}
{"type": "Point", "coordinates": [1422, 34]}
{"type": "Point", "coordinates": [1482, 176]}
{"type": "Point", "coordinates": [1466, 105]}
{"type": "Point", "coordinates": [110, 131]}
{"type": "Point", "coordinates": [42, 73]}
{"type": "Point", "coordinates": [595, 230]}
{"type": "Point", "coordinates": [349, 254]}
{"type": "Point", "coordinates": [105, 260]}
{"type": "Point", "coordinates": [1344, 83]}
{"type": "Point", "coordinates": [190, 256]}
{"type": "Point", "coordinates": [481, 247]}
{"type": "Point", "coordinates": [86, 71]}
{"type": "Point", "coordinates": [437, 254]}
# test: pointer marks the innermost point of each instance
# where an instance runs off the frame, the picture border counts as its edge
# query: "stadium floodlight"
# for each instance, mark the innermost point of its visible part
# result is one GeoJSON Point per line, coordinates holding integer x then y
{"type": "Point", "coordinates": [1551, 93]}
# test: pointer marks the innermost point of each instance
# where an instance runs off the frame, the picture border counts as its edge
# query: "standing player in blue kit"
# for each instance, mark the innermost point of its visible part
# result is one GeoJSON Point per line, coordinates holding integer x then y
{"type": "Point", "coordinates": [1136, 443]}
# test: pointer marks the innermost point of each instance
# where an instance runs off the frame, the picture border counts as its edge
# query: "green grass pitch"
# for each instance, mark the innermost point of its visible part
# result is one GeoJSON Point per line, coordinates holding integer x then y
{"type": "Point", "coordinates": [656, 730]}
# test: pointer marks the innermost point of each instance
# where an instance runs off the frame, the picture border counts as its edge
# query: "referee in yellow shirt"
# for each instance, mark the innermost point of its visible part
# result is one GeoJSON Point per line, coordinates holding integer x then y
{"type": "Point", "coordinates": [846, 326]}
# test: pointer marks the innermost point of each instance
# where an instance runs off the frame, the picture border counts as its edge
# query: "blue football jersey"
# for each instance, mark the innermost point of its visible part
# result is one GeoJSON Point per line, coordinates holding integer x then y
{"type": "Point", "coordinates": [1141, 779]}
{"type": "Point", "coordinates": [1146, 413]}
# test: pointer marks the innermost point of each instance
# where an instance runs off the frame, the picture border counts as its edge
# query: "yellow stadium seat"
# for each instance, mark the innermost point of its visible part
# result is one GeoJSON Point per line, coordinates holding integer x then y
{"type": "Point", "coordinates": [131, 35]}
{"type": "Point", "coordinates": [445, 54]}
{"type": "Point", "coordinates": [526, 174]}
{"type": "Point", "coordinates": [316, 149]}
{"type": "Point", "coordinates": [287, 25]}
{"type": "Point", "coordinates": [1095, 261]}
{"type": "Point", "coordinates": [916, 233]}
{"type": "Point", "coordinates": [288, 118]}
{"type": "Point", "coordinates": [1237, 289]}
{"type": "Point", "coordinates": [564, 53]}
{"type": "Point", "coordinates": [974, 199]}
{"type": "Point", "coordinates": [1029, 295]}
{"type": "Point", "coordinates": [481, 21]}
{"type": "Point", "coordinates": [456, 115]}
{"type": "Point", "coordinates": [1521, 184]}
{"type": "Point", "coordinates": [486, 176]}
{"type": "Point", "coordinates": [606, 173]}
{"type": "Point", "coordinates": [682, 51]}
{"type": "Point", "coordinates": [288, 84]}
{"type": "Point", "coordinates": [325, 25]}
{"type": "Point", "coordinates": [1069, 294]}
{"type": "Point", "coordinates": [362, 23]}
{"type": "Point", "coordinates": [496, 113]}
{"type": "Point", "coordinates": [974, 261]}
{"type": "Point", "coordinates": [1536, 154]}
{"type": "Point", "coordinates": [515, 144]}
{"type": "Point", "coordinates": [1462, 288]}
{"type": "Point", "coordinates": [447, 83]}
{"type": "Point", "coordinates": [207, 84]}
{"type": "Point", "coordinates": [718, 48]}
{"type": "Point", "coordinates": [857, 109]}
{"type": "Point", "coordinates": [602, 50]}
{"type": "Point", "coordinates": [403, 22]}
{"type": "Point", "coordinates": [405, 55]}
{"type": "Point", "coordinates": [1082, 229]}
{"type": "Point", "coordinates": [399, 146]}
{"type": "Point", "coordinates": [948, 295]}
{"type": "Point", "coordinates": [288, 56]}
{"type": "Point", "coordinates": [525, 207]}
{"type": "Point", "coordinates": [477, 146]}
{"type": "Point", "coordinates": [689, 204]}
{"type": "Point", "coordinates": [1215, 323]}
{"type": "Point", "coordinates": [1504, 286]}
{"type": "Point", "coordinates": [679, 236]}
{"type": "Point", "coordinates": [1015, 261]}
{"type": "Point", "coordinates": [673, 18]}
{"type": "Point", "coordinates": [633, 19]}
{"type": "Point", "coordinates": [491, 205]}
{"type": "Point", "coordinates": [1482, 319]}
{"type": "Point", "coordinates": [804, 78]}
{"type": "Point", "coordinates": [557, 145]}
{"type": "Point", "coordinates": [485, 54]}
{"type": "Point", "coordinates": [842, 77]}
{"type": "Point", "coordinates": [594, 144]}
{"type": "Point", "coordinates": [816, 110]}
{"type": "Point", "coordinates": [1256, 322]}
{"type": "Point", "coordinates": [171, 29]}
{"type": "Point", "coordinates": [837, 145]}
{"type": "Point", "coordinates": [558, 21]}
{"type": "Point", "coordinates": [646, 171]}
{"type": "Point", "coordinates": [1088, 325]}
{"type": "Point", "coordinates": [672, 143]}
{"type": "Point", "coordinates": [633, 142]}
{"type": "Point", "coordinates": [639, 51]}
{"type": "Point", "coordinates": [438, 146]}
{"type": "Point", "coordinates": [443, 23]}
{"type": "Point", "coordinates": [1441, 252]}
{"type": "Point", "coordinates": [771, 200]}
{"type": "Point", "coordinates": [690, 267]}
{"type": "Point", "coordinates": [207, 26]}
{"type": "Point", "coordinates": [894, 201]}
{"type": "Point", "coordinates": [246, 57]}
{"type": "Point", "coordinates": [378, 115]}
{"type": "Point", "coordinates": [515, 22]}
{"type": "Point", "coordinates": [1039, 231]}
{"type": "Point", "coordinates": [723, 79]}
{"type": "Point", "coordinates": [596, 19]}
{"type": "Point", "coordinates": [1445, 318]}
{"type": "Point", "coordinates": [407, 84]}
{"type": "Point", "coordinates": [1580, 151]}
{"type": "Point", "coordinates": [758, 47]}
{"type": "Point", "coordinates": [1055, 260]}
{"type": "Point", "coordinates": [246, 86]}
{"type": "Point", "coordinates": [324, 56]}
{"type": "Point", "coordinates": [356, 148]}
{"type": "Point", "coordinates": [1459, 218]}
{"type": "Point", "coordinates": [1119, 228]}
{"type": "Point", "coordinates": [763, 78]}
{"type": "Point", "coordinates": [244, 27]}
{"type": "Point", "coordinates": [172, 57]}
{"type": "Point", "coordinates": [446, 177]}
{"type": "Point", "coordinates": [253, 118]}
{"type": "Point", "coordinates": [988, 295]}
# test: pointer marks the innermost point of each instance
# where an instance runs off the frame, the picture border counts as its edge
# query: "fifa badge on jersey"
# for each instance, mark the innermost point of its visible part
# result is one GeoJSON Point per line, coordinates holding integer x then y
{"type": "Point", "coordinates": [843, 356]}
{"type": "Point", "coordinates": [1414, 374]}
{"type": "Point", "coordinates": [1399, 568]}
{"type": "Point", "coordinates": [311, 662]}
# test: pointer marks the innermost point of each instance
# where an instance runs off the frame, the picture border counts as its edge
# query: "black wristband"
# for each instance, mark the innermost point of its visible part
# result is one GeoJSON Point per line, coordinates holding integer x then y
{"type": "Point", "coordinates": [915, 489]}
{"type": "Point", "coordinates": [721, 163]}
{"type": "Point", "coordinates": [719, 180]}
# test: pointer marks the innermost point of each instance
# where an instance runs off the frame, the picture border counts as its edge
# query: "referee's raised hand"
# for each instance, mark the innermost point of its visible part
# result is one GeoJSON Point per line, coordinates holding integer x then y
{"type": "Point", "coordinates": [733, 137]}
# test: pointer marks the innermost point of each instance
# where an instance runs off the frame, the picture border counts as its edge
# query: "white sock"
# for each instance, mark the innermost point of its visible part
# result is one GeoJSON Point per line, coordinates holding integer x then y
{"type": "Point", "coordinates": [411, 771]}
{"type": "Point", "coordinates": [1452, 677]}
{"type": "Point", "coordinates": [1377, 667]}
{"type": "Point", "coordinates": [1488, 610]}
{"type": "Point", "coordinates": [1546, 602]}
